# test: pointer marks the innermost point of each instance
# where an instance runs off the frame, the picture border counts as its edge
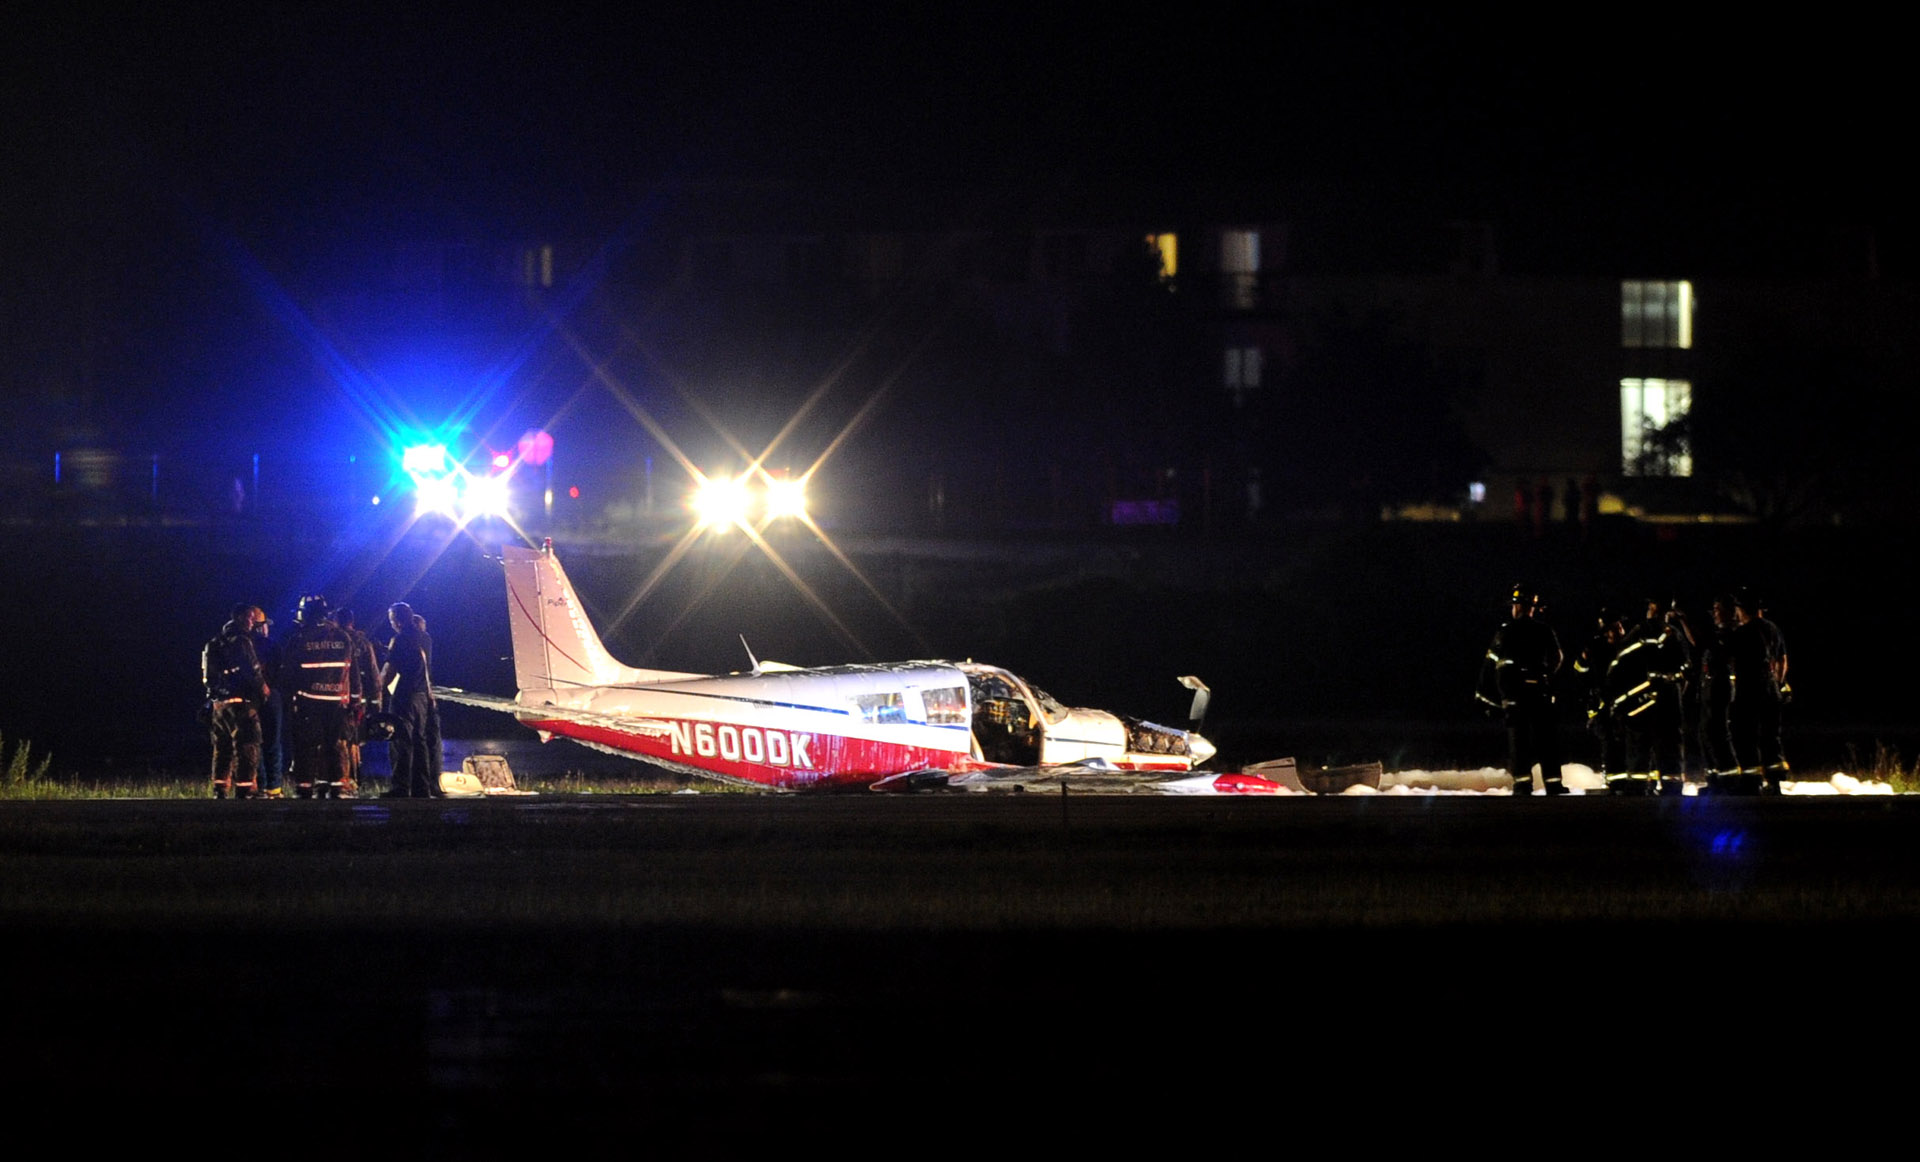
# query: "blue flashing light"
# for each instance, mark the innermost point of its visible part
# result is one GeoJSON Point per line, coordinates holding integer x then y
{"type": "Point", "coordinates": [438, 494]}
{"type": "Point", "coordinates": [444, 486]}
{"type": "Point", "coordinates": [424, 459]}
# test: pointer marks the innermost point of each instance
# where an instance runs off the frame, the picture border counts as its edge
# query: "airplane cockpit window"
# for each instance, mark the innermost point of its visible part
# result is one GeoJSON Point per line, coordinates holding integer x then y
{"type": "Point", "coordinates": [991, 687]}
{"type": "Point", "coordinates": [946, 706]}
{"type": "Point", "coordinates": [889, 707]}
{"type": "Point", "coordinates": [1004, 724]}
{"type": "Point", "coordinates": [1049, 705]}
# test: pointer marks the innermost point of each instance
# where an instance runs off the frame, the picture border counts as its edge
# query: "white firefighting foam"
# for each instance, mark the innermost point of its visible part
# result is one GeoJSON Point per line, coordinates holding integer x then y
{"type": "Point", "coordinates": [1579, 779]}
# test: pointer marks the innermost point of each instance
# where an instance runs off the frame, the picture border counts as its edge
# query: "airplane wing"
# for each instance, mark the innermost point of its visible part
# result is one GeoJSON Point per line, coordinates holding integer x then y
{"type": "Point", "coordinates": [1086, 778]}
{"type": "Point", "coordinates": [483, 701]}
{"type": "Point", "coordinates": [623, 723]}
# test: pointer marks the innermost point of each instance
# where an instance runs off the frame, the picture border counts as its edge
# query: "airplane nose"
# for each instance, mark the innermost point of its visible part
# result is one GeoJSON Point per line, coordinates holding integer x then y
{"type": "Point", "coordinates": [1199, 749]}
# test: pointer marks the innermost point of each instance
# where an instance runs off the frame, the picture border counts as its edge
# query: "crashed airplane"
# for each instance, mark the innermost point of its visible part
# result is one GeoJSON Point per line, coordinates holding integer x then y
{"type": "Point", "coordinates": [901, 725]}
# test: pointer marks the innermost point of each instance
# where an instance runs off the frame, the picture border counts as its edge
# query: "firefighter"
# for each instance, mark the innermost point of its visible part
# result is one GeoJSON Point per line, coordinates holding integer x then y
{"type": "Point", "coordinates": [1757, 654]}
{"type": "Point", "coordinates": [236, 687]}
{"type": "Point", "coordinates": [366, 702]}
{"type": "Point", "coordinates": [1516, 682]}
{"type": "Point", "coordinates": [1716, 695]}
{"type": "Point", "coordinates": [1644, 686]}
{"type": "Point", "coordinates": [318, 677]}
{"type": "Point", "coordinates": [273, 710]}
{"type": "Point", "coordinates": [1591, 670]}
{"type": "Point", "coordinates": [414, 729]}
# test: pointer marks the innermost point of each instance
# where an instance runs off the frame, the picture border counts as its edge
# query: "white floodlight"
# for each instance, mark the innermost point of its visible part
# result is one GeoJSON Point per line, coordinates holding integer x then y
{"type": "Point", "coordinates": [722, 501]}
{"type": "Point", "coordinates": [786, 498]}
{"type": "Point", "coordinates": [485, 496]}
{"type": "Point", "coordinates": [438, 495]}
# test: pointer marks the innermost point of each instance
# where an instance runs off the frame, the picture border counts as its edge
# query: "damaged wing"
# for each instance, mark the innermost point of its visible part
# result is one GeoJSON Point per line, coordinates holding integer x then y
{"type": "Point", "coordinates": [1086, 778]}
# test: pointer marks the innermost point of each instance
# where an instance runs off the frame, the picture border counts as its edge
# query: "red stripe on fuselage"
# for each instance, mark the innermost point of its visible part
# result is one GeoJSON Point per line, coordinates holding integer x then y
{"type": "Point", "coordinates": [832, 760]}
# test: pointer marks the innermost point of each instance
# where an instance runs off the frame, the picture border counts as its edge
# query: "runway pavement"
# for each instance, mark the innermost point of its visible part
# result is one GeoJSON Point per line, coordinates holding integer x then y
{"type": "Point", "coordinates": [745, 964]}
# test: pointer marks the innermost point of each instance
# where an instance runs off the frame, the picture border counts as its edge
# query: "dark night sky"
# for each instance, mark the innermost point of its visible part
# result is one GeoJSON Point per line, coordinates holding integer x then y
{"type": "Point", "coordinates": [138, 147]}
{"type": "Point", "coordinates": [261, 113]}
{"type": "Point", "coordinates": [149, 158]}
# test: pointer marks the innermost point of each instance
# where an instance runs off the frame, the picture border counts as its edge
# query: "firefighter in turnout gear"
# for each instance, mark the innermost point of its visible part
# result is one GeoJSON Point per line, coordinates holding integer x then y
{"type": "Point", "coordinates": [1590, 668]}
{"type": "Point", "coordinates": [366, 702]}
{"type": "Point", "coordinates": [1644, 685]}
{"type": "Point", "coordinates": [1516, 681]}
{"type": "Point", "coordinates": [235, 688]}
{"type": "Point", "coordinates": [1716, 698]}
{"type": "Point", "coordinates": [1757, 658]}
{"type": "Point", "coordinates": [317, 673]}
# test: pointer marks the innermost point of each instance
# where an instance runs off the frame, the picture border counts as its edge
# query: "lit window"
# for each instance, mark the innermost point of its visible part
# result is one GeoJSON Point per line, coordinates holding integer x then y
{"type": "Point", "coordinates": [1167, 246]}
{"type": "Point", "coordinates": [1647, 408]}
{"type": "Point", "coordinates": [1656, 314]}
{"type": "Point", "coordinates": [1242, 372]}
{"type": "Point", "coordinates": [1239, 267]}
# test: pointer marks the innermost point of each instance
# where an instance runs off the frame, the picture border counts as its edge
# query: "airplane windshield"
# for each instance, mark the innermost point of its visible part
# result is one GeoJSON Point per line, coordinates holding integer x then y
{"type": "Point", "coordinates": [1049, 706]}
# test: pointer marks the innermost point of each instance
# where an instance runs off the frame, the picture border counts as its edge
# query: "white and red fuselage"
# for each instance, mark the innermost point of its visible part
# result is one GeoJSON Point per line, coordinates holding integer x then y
{"type": "Point", "coordinates": [791, 728]}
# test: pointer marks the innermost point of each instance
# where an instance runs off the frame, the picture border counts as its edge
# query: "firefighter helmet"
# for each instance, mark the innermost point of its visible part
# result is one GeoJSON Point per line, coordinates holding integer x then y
{"type": "Point", "coordinates": [313, 609]}
{"type": "Point", "coordinates": [379, 727]}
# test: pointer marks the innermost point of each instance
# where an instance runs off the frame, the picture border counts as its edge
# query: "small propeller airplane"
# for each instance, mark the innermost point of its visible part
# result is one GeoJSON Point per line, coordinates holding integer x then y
{"type": "Point", "coordinates": [899, 725]}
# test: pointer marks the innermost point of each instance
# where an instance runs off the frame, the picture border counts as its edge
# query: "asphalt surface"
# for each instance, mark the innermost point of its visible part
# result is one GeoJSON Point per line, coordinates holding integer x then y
{"type": "Point", "coordinates": [450, 976]}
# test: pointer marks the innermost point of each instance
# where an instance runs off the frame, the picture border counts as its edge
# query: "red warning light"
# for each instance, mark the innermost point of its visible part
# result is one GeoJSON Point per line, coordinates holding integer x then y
{"type": "Point", "coordinates": [574, 492]}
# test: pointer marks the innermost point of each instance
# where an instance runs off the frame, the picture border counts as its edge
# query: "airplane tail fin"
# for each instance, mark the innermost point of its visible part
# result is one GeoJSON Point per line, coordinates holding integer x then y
{"type": "Point", "coordinates": [555, 647]}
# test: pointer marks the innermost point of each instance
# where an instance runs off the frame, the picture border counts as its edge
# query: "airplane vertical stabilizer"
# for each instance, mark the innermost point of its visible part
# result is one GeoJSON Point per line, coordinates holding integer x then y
{"type": "Point", "coordinates": [554, 645]}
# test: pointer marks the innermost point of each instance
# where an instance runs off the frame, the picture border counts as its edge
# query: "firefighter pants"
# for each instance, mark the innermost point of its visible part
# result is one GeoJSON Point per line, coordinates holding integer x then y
{"type": "Point", "coordinates": [236, 749]}
{"type": "Point", "coordinates": [1754, 722]}
{"type": "Point", "coordinates": [320, 756]}
{"type": "Point", "coordinates": [1532, 738]}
